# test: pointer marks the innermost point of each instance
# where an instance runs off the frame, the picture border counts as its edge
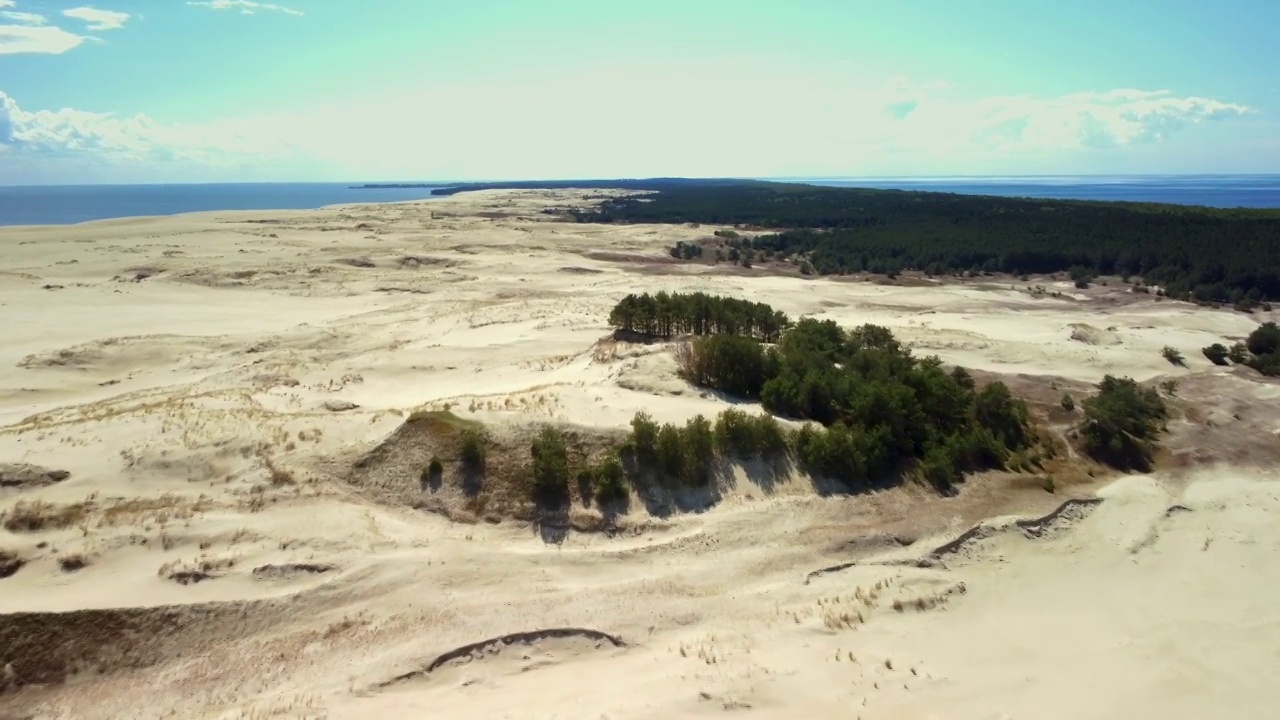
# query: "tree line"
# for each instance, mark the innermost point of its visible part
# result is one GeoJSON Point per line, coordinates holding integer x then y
{"type": "Point", "coordinates": [666, 315]}
{"type": "Point", "coordinates": [877, 416]}
{"type": "Point", "coordinates": [1195, 253]}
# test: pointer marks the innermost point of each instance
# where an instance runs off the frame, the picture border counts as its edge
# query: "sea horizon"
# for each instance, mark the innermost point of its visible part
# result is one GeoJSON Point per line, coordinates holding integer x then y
{"type": "Point", "coordinates": [71, 204]}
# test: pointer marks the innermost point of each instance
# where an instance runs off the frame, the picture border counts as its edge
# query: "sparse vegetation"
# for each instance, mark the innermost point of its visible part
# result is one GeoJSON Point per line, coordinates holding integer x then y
{"type": "Point", "coordinates": [1173, 356]}
{"type": "Point", "coordinates": [37, 515]}
{"type": "Point", "coordinates": [1122, 422]}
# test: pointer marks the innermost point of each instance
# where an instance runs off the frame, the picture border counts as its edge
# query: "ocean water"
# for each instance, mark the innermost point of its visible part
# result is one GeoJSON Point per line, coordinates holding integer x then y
{"type": "Point", "coordinates": [64, 204]}
{"type": "Point", "coordinates": [1223, 191]}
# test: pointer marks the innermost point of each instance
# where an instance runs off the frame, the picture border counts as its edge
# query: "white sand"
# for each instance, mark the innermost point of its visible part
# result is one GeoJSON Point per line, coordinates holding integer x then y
{"type": "Point", "coordinates": [162, 396]}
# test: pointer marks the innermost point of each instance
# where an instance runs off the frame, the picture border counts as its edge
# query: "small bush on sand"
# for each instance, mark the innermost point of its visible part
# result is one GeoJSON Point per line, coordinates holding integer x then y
{"type": "Point", "coordinates": [1217, 353]}
{"type": "Point", "coordinates": [1068, 403]}
{"type": "Point", "coordinates": [1173, 356]}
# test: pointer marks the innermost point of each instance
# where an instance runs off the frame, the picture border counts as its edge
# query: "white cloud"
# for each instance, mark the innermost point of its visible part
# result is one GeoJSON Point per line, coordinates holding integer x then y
{"type": "Point", "coordinates": [35, 138]}
{"type": "Point", "coordinates": [7, 3]}
{"type": "Point", "coordinates": [45, 39]}
{"type": "Point", "coordinates": [24, 18]}
{"type": "Point", "coordinates": [707, 123]}
{"type": "Point", "coordinates": [98, 19]}
{"type": "Point", "coordinates": [246, 7]}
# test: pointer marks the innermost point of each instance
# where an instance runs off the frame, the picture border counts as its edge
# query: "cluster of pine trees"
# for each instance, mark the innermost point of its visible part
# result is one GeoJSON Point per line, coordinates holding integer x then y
{"type": "Point", "coordinates": [884, 410]}
{"type": "Point", "coordinates": [665, 315]}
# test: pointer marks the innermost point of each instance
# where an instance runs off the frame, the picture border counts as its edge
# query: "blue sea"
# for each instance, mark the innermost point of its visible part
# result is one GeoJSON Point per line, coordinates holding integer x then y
{"type": "Point", "coordinates": [65, 204]}
{"type": "Point", "coordinates": [1224, 191]}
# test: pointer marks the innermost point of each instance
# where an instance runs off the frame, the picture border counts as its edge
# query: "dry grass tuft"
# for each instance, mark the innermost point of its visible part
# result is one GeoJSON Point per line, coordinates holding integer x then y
{"type": "Point", "coordinates": [38, 515]}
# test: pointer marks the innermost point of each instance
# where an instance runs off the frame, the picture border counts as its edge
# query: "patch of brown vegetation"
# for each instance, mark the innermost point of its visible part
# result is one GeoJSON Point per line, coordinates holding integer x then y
{"type": "Point", "coordinates": [393, 471]}
{"type": "Point", "coordinates": [73, 562]}
{"type": "Point", "coordinates": [10, 563]}
{"type": "Point", "coordinates": [29, 516]}
{"type": "Point", "coordinates": [44, 648]}
{"type": "Point", "coordinates": [38, 515]}
{"type": "Point", "coordinates": [24, 476]}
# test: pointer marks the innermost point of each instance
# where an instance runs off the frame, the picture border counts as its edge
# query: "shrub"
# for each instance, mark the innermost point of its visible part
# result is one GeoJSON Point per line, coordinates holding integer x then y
{"type": "Point", "coordinates": [473, 447]}
{"type": "Point", "coordinates": [1169, 386]}
{"type": "Point", "coordinates": [1173, 356]}
{"type": "Point", "coordinates": [1082, 276]}
{"type": "Point", "coordinates": [735, 434]}
{"type": "Point", "coordinates": [1121, 423]}
{"type": "Point", "coordinates": [644, 439]}
{"type": "Point", "coordinates": [610, 481]}
{"type": "Point", "coordinates": [1217, 353]}
{"type": "Point", "coordinates": [698, 451]}
{"type": "Point", "coordinates": [1266, 364]}
{"type": "Point", "coordinates": [550, 468]}
{"type": "Point", "coordinates": [1238, 353]}
{"type": "Point", "coordinates": [1265, 340]}
{"type": "Point", "coordinates": [1264, 346]}
{"type": "Point", "coordinates": [1068, 403]}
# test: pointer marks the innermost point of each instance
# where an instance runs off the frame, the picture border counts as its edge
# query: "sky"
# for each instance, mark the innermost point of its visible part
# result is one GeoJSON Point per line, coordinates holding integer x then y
{"type": "Point", "coordinates": [134, 91]}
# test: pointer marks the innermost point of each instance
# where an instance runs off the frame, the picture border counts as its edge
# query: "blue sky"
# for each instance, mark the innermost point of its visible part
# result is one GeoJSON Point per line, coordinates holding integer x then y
{"type": "Point", "coordinates": [224, 90]}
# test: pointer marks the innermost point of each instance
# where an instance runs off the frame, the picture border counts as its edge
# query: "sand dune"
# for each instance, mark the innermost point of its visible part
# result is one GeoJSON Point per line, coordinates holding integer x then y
{"type": "Point", "coordinates": [202, 387]}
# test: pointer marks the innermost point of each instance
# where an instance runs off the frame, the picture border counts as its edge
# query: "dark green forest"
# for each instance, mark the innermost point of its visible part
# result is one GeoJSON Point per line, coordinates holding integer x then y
{"type": "Point", "coordinates": [1194, 253]}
